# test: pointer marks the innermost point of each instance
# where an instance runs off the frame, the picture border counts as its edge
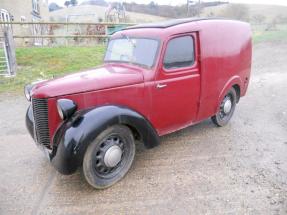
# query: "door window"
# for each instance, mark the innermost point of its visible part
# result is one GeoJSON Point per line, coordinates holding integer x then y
{"type": "Point", "coordinates": [179, 53]}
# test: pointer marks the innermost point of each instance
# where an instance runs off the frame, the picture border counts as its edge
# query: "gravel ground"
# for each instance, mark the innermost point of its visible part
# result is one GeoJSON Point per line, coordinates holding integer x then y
{"type": "Point", "coordinates": [238, 169]}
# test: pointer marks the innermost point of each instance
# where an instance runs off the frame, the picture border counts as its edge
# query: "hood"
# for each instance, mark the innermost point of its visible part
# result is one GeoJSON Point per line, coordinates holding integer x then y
{"type": "Point", "coordinates": [106, 76]}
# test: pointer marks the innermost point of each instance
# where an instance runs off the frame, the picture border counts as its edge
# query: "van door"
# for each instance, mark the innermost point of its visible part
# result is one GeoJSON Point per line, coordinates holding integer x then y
{"type": "Point", "coordinates": [176, 89]}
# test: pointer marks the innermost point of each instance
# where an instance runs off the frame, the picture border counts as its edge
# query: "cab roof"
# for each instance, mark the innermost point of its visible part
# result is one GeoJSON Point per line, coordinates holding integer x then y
{"type": "Point", "coordinates": [169, 23]}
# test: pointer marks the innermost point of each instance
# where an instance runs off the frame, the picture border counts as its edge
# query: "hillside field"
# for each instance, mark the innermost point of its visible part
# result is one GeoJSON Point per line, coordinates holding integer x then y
{"type": "Point", "coordinates": [93, 13]}
{"type": "Point", "coordinates": [268, 11]}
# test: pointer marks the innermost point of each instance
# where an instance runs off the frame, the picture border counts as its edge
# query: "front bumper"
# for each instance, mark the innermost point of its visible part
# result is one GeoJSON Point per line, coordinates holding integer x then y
{"type": "Point", "coordinates": [61, 157]}
{"type": "Point", "coordinates": [30, 121]}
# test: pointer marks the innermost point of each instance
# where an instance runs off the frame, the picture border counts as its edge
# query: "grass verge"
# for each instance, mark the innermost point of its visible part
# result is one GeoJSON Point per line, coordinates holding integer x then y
{"type": "Point", "coordinates": [44, 63]}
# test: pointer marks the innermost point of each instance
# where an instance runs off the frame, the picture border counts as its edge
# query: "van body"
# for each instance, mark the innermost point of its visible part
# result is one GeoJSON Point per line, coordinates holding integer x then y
{"type": "Point", "coordinates": [156, 79]}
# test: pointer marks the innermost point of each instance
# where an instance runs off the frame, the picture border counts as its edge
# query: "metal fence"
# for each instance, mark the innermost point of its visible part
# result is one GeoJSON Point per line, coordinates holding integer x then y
{"type": "Point", "coordinates": [4, 64]}
{"type": "Point", "coordinates": [7, 52]}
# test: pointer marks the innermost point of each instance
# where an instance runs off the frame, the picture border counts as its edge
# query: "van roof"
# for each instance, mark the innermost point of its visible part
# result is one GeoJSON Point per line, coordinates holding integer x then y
{"type": "Point", "coordinates": [170, 23]}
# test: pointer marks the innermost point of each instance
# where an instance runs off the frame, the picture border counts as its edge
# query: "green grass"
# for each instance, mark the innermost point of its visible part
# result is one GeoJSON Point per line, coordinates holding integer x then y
{"type": "Point", "coordinates": [278, 34]}
{"type": "Point", "coordinates": [44, 63]}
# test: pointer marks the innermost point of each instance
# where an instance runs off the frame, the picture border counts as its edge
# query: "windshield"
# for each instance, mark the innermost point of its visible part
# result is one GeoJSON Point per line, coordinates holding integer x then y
{"type": "Point", "coordinates": [132, 50]}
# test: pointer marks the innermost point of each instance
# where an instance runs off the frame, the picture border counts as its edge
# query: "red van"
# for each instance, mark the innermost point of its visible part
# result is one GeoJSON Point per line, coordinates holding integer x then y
{"type": "Point", "coordinates": [156, 79]}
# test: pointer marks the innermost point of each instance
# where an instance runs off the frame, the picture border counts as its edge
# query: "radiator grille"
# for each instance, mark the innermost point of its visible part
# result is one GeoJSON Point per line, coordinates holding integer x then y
{"type": "Point", "coordinates": [40, 112]}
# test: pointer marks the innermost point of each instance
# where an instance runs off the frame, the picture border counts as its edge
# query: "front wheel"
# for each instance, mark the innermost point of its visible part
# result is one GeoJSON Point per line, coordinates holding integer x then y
{"type": "Point", "coordinates": [109, 157]}
{"type": "Point", "coordinates": [226, 109]}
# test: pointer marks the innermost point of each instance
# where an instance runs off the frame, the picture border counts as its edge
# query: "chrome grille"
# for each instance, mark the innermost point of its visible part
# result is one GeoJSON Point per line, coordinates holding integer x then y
{"type": "Point", "coordinates": [40, 112]}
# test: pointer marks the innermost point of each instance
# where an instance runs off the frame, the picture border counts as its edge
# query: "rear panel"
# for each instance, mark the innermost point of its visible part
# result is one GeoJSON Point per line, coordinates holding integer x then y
{"type": "Point", "coordinates": [225, 61]}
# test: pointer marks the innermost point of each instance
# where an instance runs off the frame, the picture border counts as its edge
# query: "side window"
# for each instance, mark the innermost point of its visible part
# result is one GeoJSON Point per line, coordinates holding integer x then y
{"type": "Point", "coordinates": [179, 53]}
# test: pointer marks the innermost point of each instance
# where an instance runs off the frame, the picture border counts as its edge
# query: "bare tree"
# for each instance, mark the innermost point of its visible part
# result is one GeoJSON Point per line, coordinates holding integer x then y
{"type": "Point", "coordinates": [258, 18]}
{"type": "Point", "coordinates": [272, 26]}
{"type": "Point", "coordinates": [236, 11]}
{"type": "Point", "coordinates": [73, 2]}
{"type": "Point", "coordinates": [67, 3]}
{"type": "Point", "coordinates": [281, 19]}
{"type": "Point", "coordinates": [193, 9]}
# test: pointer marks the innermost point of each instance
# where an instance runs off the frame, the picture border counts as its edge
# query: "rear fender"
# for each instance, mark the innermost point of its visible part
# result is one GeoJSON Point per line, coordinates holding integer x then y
{"type": "Point", "coordinates": [231, 82]}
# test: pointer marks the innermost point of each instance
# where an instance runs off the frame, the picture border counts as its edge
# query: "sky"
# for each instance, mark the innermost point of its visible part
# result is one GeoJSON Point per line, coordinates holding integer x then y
{"type": "Point", "coordinates": [177, 2]}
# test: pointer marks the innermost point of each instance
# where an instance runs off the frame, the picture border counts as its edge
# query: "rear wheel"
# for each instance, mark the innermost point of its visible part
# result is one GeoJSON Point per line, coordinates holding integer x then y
{"type": "Point", "coordinates": [109, 157]}
{"type": "Point", "coordinates": [226, 109]}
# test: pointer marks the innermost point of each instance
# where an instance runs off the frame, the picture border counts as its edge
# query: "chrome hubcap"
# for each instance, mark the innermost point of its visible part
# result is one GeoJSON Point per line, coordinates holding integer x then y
{"type": "Point", "coordinates": [227, 106]}
{"type": "Point", "coordinates": [113, 156]}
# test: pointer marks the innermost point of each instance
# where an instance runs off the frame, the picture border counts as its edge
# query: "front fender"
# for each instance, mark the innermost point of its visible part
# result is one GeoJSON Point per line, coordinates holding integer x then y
{"type": "Point", "coordinates": [75, 135]}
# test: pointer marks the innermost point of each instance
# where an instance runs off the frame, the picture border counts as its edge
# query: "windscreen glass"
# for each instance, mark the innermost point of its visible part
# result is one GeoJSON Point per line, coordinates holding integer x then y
{"type": "Point", "coordinates": [139, 51]}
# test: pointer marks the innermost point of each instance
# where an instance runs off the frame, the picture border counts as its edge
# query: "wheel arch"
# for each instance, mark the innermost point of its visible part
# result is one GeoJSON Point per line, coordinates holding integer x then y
{"type": "Point", "coordinates": [234, 82]}
{"type": "Point", "coordinates": [76, 134]}
{"type": "Point", "coordinates": [238, 92]}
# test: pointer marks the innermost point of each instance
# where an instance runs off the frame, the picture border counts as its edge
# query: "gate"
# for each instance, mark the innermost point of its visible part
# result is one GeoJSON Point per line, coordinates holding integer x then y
{"type": "Point", "coordinates": [4, 64]}
{"type": "Point", "coordinates": [7, 46]}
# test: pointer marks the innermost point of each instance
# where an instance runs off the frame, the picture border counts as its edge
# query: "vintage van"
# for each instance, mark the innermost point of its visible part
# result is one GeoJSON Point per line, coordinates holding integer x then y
{"type": "Point", "coordinates": [156, 79]}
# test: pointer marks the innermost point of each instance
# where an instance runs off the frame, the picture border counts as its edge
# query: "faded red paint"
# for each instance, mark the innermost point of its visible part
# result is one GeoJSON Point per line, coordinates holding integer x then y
{"type": "Point", "coordinates": [223, 59]}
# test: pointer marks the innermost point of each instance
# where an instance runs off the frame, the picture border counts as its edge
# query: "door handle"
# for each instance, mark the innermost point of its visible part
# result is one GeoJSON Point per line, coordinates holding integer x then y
{"type": "Point", "coordinates": [159, 86]}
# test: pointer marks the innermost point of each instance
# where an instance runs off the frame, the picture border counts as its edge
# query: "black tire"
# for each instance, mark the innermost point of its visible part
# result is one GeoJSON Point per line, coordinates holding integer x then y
{"type": "Point", "coordinates": [222, 118]}
{"type": "Point", "coordinates": [95, 170]}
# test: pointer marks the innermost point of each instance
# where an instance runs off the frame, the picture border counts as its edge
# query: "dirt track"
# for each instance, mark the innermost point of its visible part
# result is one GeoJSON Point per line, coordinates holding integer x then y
{"type": "Point", "coordinates": [238, 169]}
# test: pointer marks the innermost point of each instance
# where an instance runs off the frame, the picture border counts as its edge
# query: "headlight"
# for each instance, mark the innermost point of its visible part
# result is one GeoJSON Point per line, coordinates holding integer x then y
{"type": "Point", "coordinates": [27, 91]}
{"type": "Point", "coordinates": [66, 108]}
